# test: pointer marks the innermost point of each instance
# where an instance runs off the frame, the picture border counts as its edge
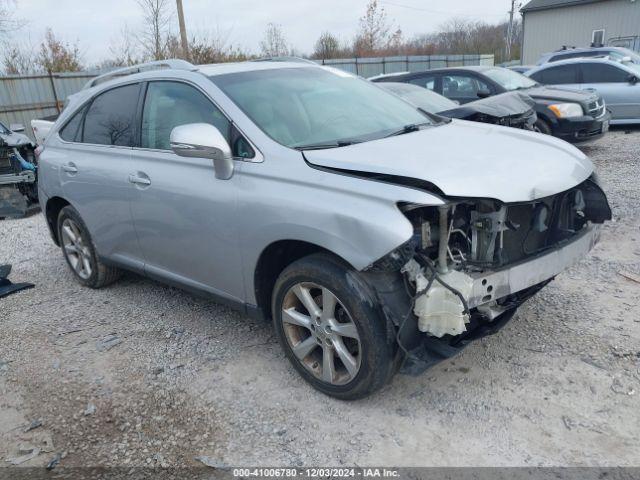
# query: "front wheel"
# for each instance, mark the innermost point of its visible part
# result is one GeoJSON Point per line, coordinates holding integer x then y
{"type": "Point", "coordinates": [331, 328]}
{"type": "Point", "coordinates": [542, 127]}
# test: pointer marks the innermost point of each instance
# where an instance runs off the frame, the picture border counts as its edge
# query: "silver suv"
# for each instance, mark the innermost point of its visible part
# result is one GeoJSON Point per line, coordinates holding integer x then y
{"type": "Point", "coordinates": [376, 237]}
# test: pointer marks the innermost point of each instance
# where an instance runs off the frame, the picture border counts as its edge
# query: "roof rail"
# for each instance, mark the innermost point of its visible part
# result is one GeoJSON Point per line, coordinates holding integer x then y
{"type": "Point", "coordinates": [284, 58]}
{"type": "Point", "coordinates": [171, 64]}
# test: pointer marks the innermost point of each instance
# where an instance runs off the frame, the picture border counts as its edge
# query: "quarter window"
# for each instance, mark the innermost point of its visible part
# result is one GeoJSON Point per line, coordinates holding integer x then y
{"type": "Point", "coordinates": [111, 117]}
{"type": "Point", "coordinates": [602, 73]}
{"type": "Point", "coordinates": [72, 131]}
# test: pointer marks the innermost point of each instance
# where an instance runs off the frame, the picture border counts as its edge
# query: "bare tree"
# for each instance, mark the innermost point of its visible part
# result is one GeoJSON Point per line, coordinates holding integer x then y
{"type": "Point", "coordinates": [18, 59]}
{"type": "Point", "coordinates": [156, 17]}
{"type": "Point", "coordinates": [373, 33]}
{"type": "Point", "coordinates": [274, 43]}
{"type": "Point", "coordinates": [8, 20]}
{"type": "Point", "coordinates": [327, 46]}
{"type": "Point", "coordinates": [124, 51]}
{"type": "Point", "coordinates": [56, 56]}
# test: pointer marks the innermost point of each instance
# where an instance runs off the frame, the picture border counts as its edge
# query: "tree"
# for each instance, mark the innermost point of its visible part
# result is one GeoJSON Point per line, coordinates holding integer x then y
{"type": "Point", "coordinates": [327, 46]}
{"type": "Point", "coordinates": [8, 20]}
{"type": "Point", "coordinates": [56, 56]}
{"type": "Point", "coordinates": [156, 17]}
{"type": "Point", "coordinates": [274, 43]}
{"type": "Point", "coordinates": [18, 59]}
{"type": "Point", "coordinates": [373, 33]}
{"type": "Point", "coordinates": [123, 50]}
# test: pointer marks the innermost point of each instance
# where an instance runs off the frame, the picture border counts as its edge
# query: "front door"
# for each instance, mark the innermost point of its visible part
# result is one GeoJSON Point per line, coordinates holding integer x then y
{"type": "Point", "coordinates": [612, 83]}
{"type": "Point", "coordinates": [463, 88]}
{"type": "Point", "coordinates": [94, 166]}
{"type": "Point", "coordinates": [185, 217]}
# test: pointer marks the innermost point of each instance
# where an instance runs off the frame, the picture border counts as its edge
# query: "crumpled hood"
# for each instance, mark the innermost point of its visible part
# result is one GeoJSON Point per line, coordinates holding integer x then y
{"type": "Point", "coordinates": [503, 105]}
{"type": "Point", "coordinates": [467, 159]}
{"type": "Point", "coordinates": [14, 139]}
{"type": "Point", "coordinates": [542, 92]}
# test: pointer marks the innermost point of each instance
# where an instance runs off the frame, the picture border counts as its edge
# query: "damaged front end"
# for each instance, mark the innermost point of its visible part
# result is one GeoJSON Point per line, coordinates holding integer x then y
{"type": "Point", "coordinates": [18, 174]}
{"type": "Point", "coordinates": [472, 262]}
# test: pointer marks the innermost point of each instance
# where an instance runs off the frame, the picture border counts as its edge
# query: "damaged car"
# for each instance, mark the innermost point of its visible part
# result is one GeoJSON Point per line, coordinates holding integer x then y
{"type": "Point", "coordinates": [375, 237]}
{"type": "Point", "coordinates": [18, 172]}
{"type": "Point", "coordinates": [511, 109]}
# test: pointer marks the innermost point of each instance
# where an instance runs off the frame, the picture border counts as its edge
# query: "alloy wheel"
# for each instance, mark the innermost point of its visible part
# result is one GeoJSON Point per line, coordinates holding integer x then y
{"type": "Point", "coordinates": [77, 252]}
{"type": "Point", "coordinates": [321, 333]}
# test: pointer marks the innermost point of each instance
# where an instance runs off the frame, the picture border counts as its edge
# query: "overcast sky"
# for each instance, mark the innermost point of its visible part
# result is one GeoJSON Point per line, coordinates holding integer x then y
{"type": "Point", "coordinates": [95, 24]}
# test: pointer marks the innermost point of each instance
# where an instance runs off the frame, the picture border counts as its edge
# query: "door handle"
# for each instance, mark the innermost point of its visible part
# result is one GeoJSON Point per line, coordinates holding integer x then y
{"type": "Point", "coordinates": [70, 168]}
{"type": "Point", "coordinates": [139, 180]}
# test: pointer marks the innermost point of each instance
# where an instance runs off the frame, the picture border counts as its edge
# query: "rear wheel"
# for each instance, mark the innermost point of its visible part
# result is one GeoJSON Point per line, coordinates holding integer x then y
{"type": "Point", "coordinates": [331, 328]}
{"type": "Point", "coordinates": [80, 253]}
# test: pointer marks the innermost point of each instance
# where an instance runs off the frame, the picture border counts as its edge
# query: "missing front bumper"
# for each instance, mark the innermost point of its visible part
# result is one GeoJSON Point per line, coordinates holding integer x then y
{"type": "Point", "coordinates": [493, 285]}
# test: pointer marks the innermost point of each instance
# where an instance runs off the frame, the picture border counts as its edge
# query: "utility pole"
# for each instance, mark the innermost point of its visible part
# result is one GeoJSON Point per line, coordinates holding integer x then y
{"type": "Point", "coordinates": [183, 31]}
{"type": "Point", "coordinates": [510, 28]}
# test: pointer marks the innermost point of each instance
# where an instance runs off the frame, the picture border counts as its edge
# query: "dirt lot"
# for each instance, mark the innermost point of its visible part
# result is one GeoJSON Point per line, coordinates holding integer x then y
{"type": "Point", "coordinates": [143, 374]}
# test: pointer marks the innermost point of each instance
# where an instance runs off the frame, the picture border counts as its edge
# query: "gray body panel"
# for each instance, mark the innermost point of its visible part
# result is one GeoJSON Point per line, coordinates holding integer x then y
{"type": "Point", "coordinates": [190, 228]}
{"type": "Point", "coordinates": [621, 98]}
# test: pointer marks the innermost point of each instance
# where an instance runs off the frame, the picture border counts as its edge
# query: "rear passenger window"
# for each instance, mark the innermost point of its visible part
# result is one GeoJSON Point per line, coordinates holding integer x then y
{"type": "Point", "coordinates": [72, 131]}
{"type": "Point", "coordinates": [557, 75]}
{"type": "Point", "coordinates": [111, 117]}
{"type": "Point", "coordinates": [602, 73]}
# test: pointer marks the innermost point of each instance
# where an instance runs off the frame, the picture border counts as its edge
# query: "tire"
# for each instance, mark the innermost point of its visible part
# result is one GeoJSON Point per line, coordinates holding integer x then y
{"type": "Point", "coordinates": [80, 253]}
{"type": "Point", "coordinates": [353, 353]}
{"type": "Point", "coordinates": [542, 126]}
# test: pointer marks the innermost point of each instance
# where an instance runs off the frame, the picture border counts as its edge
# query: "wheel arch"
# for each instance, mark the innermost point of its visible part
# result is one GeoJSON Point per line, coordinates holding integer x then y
{"type": "Point", "coordinates": [274, 259]}
{"type": "Point", "coordinates": [52, 210]}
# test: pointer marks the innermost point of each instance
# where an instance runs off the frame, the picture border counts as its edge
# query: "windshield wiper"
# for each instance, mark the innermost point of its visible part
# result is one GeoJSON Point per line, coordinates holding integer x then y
{"type": "Point", "coordinates": [412, 127]}
{"type": "Point", "coordinates": [323, 146]}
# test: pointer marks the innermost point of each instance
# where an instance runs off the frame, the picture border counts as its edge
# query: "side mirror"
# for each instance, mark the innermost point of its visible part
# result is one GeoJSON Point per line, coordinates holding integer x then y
{"type": "Point", "coordinates": [483, 93]}
{"type": "Point", "coordinates": [16, 127]}
{"type": "Point", "coordinates": [632, 79]}
{"type": "Point", "coordinates": [201, 140]}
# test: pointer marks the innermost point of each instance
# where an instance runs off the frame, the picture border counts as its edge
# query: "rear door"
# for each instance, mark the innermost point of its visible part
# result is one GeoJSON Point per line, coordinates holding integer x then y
{"type": "Point", "coordinates": [612, 83]}
{"type": "Point", "coordinates": [95, 160]}
{"type": "Point", "coordinates": [186, 217]}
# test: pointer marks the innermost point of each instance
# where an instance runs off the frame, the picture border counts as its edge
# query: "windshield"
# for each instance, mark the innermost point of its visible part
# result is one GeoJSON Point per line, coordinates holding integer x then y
{"type": "Point", "coordinates": [313, 106]}
{"type": "Point", "coordinates": [420, 97]}
{"type": "Point", "coordinates": [4, 129]}
{"type": "Point", "coordinates": [508, 79]}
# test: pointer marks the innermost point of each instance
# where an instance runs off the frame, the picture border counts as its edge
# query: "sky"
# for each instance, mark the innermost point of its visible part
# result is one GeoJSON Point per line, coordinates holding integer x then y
{"type": "Point", "coordinates": [96, 24]}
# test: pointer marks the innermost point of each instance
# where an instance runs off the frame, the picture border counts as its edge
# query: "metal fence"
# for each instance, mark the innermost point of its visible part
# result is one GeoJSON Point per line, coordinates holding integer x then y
{"type": "Point", "coordinates": [26, 97]}
{"type": "Point", "coordinates": [372, 66]}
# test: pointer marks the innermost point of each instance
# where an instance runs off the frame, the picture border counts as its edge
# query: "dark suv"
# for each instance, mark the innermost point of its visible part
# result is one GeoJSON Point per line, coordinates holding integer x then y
{"type": "Point", "coordinates": [572, 115]}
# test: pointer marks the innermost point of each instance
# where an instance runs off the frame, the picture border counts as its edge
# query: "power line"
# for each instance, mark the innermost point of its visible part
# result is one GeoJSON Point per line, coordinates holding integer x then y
{"type": "Point", "coordinates": [451, 14]}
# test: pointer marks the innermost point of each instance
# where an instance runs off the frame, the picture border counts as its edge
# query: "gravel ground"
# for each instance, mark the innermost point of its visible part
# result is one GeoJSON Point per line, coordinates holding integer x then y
{"type": "Point", "coordinates": [141, 374]}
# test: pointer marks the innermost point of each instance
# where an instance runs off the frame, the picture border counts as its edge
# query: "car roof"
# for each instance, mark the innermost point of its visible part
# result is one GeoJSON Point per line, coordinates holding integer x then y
{"type": "Point", "coordinates": [225, 68]}
{"type": "Point", "coordinates": [568, 51]}
{"type": "Point", "coordinates": [570, 61]}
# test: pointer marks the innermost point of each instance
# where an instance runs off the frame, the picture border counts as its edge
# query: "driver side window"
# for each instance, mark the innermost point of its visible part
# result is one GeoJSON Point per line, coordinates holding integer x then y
{"type": "Point", "coordinates": [170, 104]}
